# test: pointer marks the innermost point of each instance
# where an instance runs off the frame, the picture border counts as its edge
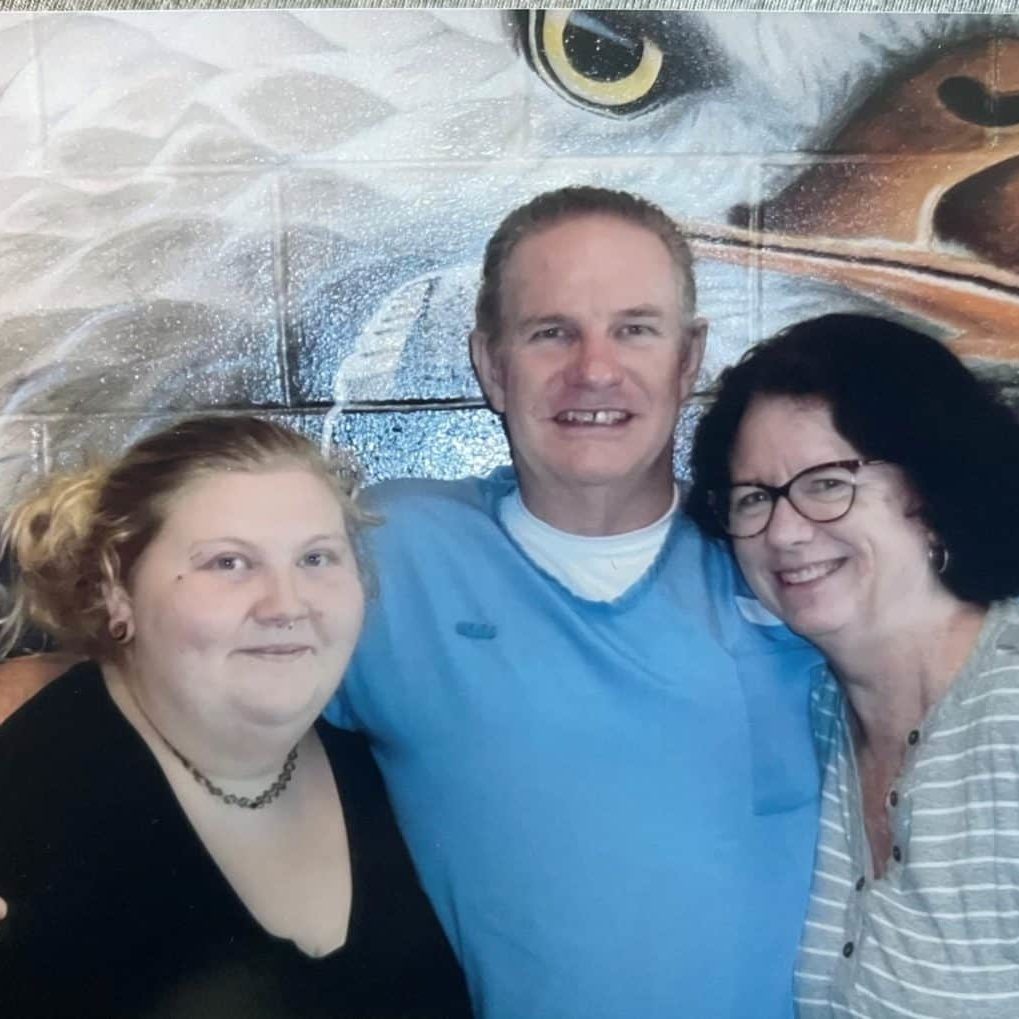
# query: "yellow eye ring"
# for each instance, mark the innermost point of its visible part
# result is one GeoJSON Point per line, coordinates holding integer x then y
{"type": "Point", "coordinates": [556, 66]}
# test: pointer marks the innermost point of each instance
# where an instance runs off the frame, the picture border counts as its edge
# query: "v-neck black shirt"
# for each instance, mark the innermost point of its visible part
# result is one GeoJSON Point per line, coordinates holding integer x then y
{"type": "Point", "coordinates": [117, 909]}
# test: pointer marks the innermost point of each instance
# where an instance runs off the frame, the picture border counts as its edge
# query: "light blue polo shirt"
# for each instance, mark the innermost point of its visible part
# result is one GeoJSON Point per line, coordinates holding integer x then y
{"type": "Point", "coordinates": [613, 805]}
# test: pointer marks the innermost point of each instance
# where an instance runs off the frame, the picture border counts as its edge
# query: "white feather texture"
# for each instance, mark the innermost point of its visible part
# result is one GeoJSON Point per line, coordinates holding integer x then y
{"type": "Point", "coordinates": [286, 210]}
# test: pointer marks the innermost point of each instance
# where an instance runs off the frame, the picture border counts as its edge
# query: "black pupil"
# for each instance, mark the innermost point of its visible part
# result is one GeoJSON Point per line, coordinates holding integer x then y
{"type": "Point", "coordinates": [599, 51]}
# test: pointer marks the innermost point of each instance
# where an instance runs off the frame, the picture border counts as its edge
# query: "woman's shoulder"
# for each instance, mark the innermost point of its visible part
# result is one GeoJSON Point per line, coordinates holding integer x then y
{"type": "Point", "coordinates": [357, 775]}
{"type": "Point", "coordinates": [376, 844]}
{"type": "Point", "coordinates": [995, 670]}
{"type": "Point", "coordinates": [1006, 632]}
{"type": "Point", "coordinates": [981, 711]}
{"type": "Point", "coordinates": [74, 702]}
{"type": "Point", "coordinates": [58, 745]}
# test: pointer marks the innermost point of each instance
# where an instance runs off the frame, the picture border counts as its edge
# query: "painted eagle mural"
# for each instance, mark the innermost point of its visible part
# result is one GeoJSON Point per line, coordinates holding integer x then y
{"type": "Point", "coordinates": [285, 211]}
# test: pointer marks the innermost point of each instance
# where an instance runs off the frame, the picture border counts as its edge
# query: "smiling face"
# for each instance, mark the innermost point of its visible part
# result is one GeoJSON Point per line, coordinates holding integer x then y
{"type": "Point", "coordinates": [594, 358]}
{"type": "Point", "coordinates": [833, 580]}
{"type": "Point", "coordinates": [246, 606]}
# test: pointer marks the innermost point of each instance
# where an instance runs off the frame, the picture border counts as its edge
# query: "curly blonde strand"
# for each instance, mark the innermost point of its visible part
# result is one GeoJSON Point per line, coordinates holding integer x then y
{"type": "Point", "coordinates": [56, 566]}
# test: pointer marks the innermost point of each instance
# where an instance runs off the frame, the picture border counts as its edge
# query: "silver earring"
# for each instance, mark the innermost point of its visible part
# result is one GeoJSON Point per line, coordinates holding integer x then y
{"type": "Point", "coordinates": [938, 557]}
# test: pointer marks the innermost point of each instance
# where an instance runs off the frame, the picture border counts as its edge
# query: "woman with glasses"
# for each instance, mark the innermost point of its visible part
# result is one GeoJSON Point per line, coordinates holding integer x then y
{"type": "Point", "coordinates": [868, 484]}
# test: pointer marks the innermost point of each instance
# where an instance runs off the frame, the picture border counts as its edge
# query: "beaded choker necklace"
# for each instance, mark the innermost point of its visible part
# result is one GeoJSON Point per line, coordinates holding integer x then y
{"type": "Point", "coordinates": [263, 799]}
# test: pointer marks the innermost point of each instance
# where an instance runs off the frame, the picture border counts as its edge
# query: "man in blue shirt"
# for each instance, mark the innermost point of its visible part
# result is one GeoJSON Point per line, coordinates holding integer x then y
{"type": "Point", "coordinates": [595, 743]}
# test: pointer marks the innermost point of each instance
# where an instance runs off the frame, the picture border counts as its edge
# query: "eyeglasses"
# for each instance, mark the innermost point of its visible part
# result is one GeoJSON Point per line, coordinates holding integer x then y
{"type": "Point", "coordinates": [822, 493]}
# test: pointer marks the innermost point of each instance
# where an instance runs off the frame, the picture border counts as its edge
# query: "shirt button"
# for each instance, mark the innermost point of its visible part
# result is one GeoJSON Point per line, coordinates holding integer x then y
{"type": "Point", "coordinates": [860, 882]}
{"type": "Point", "coordinates": [847, 949]}
{"type": "Point", "coordinates": [893, 798]}
{"type": "Point", "coordinates": [896, 853]}
{"type": "Point", "coordinates": [914, 737]}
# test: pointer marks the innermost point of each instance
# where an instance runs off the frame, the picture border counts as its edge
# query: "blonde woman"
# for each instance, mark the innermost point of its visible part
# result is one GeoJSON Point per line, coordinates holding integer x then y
{"type": "Point", "coordinates": [178, 837]}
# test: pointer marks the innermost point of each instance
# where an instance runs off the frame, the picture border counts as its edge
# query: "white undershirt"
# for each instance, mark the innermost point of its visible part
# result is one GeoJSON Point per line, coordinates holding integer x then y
{"type": "Point", "coordinates": [598, 568]}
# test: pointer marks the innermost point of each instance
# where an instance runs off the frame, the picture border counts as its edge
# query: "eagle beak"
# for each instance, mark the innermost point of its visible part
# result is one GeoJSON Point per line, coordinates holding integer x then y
{"type": "Point", "coordinates": [914, 202]}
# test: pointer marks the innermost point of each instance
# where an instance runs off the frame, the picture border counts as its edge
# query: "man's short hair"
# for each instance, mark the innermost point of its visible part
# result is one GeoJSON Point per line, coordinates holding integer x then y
{"type": "Point", "coordinates": [553, 207]}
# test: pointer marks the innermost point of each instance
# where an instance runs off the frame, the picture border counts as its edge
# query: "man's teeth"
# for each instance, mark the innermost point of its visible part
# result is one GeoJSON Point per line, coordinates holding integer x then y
{"type": "Point", "coordinates": [807, 573]}
{"type": "Point", "coordinates": [592, 417]}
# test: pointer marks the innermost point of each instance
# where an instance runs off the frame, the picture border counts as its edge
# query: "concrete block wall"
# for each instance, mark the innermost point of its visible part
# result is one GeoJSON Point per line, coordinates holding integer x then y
{"type": "Point", "coordinates": [284, 211]}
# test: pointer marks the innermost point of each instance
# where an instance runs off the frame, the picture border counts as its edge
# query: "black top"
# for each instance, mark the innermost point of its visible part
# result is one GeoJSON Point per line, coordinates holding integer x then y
{"type": "Point", "coordinates": [117, 909]}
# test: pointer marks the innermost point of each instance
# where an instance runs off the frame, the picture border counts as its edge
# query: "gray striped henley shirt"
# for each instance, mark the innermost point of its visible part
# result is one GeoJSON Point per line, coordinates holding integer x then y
{"type": "Point", "coordinates": [937, 936]}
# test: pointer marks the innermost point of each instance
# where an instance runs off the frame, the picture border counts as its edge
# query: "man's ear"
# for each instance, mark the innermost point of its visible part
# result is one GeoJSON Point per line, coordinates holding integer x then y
{"type": "Point", "coordinates": [488, 370]}
{"type": "Point", "coordinates": [693, 355]}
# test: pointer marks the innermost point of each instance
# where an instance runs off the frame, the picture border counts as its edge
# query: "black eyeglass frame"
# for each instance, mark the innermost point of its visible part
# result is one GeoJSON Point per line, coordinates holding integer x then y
{"type": "Point", "coordinates": [779, 491]}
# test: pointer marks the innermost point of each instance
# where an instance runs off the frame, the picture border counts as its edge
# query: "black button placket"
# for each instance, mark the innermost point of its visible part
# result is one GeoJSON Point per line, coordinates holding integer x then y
{"type": "Point", "coordinates": [898, 816]}
{"type": "Point", "coordinates": [859, 850]}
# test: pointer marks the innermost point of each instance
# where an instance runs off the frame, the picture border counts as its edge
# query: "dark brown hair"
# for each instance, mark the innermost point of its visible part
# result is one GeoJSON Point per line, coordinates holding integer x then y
{"type": "Point", "coordinates": [899, 395]}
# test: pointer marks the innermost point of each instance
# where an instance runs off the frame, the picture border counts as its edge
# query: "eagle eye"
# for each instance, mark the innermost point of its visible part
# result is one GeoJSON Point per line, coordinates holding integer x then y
{"type": "Point", "coordinates": [598, 60]}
